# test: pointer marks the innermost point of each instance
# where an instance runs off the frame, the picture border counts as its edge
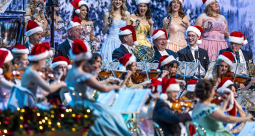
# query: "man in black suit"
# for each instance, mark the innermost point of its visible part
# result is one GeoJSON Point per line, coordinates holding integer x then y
{"type": "Point", "coordinates": [34, 32]}
{"type": "Point", "coordinates": [160, 42]}
{"type": "Point", "coordinates": [236, 41]}
{"type": "Point", "coordinates": [128, 39]}
{"type": "Point", "coordinates": [192, 52]}
{"type": "Point", "coordinates": [171, 122]}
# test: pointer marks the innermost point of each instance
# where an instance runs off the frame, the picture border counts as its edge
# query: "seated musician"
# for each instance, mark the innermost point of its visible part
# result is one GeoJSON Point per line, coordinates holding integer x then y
{"type": "Point", "coordinates": [211, 116]}
{"type": "Point", "coordinates": [127, 37]}
{"type": "Point", "coordinates": [191, 85]}
{"type": "Point", "coordinates": [5, 85]}
{"type": "Point", "coordinates": [192, 52]}
{"type": "Point", "coordinates": [168, 65]}
{"type": "Point", "coordinates": [169, 120]}
{"type": "Point", "coordinates": [160, 41]}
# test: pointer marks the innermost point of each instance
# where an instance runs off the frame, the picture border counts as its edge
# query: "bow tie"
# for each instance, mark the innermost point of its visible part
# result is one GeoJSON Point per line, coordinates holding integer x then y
{"type": "Point", "coordinates": [194, 49]}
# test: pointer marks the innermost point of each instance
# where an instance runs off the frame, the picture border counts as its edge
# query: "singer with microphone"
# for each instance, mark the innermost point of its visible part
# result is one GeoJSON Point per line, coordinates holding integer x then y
{"type": "Point", "coordinates": [192, 53]}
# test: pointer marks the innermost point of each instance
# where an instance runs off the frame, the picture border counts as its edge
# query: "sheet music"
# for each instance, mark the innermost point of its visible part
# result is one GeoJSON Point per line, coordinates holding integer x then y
{"type": "Point", "coordinates": [5, 6]}
{"type": "Point", "coordinates": [107, 98]}
{"type": "Point", "coordinates": [247, 129]}
{"type": "Point", "coordinates": [141, 95]}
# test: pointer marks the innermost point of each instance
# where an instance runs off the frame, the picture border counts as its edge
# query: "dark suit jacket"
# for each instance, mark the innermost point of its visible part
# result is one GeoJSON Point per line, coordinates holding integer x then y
{"type": "Point", "coordinates": [63, 49]}
{"type": "Point", "coordinates": [158, 55]}
{"type": "Point", "coordinates": [26, 44]}
{"type": "Point", "coordinates": [119, 52]}
{"type": "Point", "coordinates": [247, 54]}
{"type": "Point", "coordinates": [169, 120]}
{"type": "Point", "coordinates": [186, 55]}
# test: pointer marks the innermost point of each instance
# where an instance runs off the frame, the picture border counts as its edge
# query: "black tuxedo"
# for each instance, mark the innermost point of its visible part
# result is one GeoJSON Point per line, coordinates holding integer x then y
{"type": "Point", "coordinates": [169, 120]}
{"type": "Point", "coordinates": [247, 54]}
{"type": "Point", "coordinates": [158, 55]}
{"type": "Point", "coordinates": [186, 55]}
{"type": "Point", "coordinates": [63, 49]}
{"type": "Point", "coordinates": [119, 52]}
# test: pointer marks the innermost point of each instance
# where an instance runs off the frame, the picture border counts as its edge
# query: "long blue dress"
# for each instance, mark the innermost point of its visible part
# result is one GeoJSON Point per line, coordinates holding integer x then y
{"type": "Point", "coordinates": [112, 42]}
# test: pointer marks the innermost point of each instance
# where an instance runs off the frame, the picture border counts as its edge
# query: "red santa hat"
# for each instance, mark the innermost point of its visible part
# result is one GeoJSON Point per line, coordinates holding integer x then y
{"type": "Point", "coordinates": [191, 85]}
{"type": "Point", "coordinates": [157, 33]}
{"type": "Point", "coordinates": [142, 1]}
{"type": "Point", "coordinates": [237, 37]}
{"type": "Point", "coordinates": [60, 60]}
{"type": "Point", "coordinates": [75, 22]}
{"type": "Point", "coordinates": [80, 51]}
{"type": "Point", "coordinates": [76, 4]}
{"type": "Point", "coordinates": [165, 60]}
{"type": "Point", "coordinates": [197, 30]}
{"type": "Point", "coordinates": [207, 2]}
{"type": "Point", "coordinates": [156, 88]}
{"type": "Point", "coordinates": [222, 88]}
{"type": "Point", "coordinates": [126, 60]}
{"type": "Point", "coordinates": [40, 51]}
{"type": "Point", "coordinates": [227, 57]}
{"type": "Point", "coordinates": [182, 1]}
{"type": "Point", "coordinates": [5, 56]}
{"type": "Point", "coordinates": [20, 49]}
{"type": "Point", "coordinates": [33, 27]}
{"type": "Point", "coordinates": [168, 85]}
{"type": "Point", "coordinates": [129, 29]}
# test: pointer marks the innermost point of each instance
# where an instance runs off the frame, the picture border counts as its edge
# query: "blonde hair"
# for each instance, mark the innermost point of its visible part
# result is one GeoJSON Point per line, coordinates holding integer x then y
{"type": "Point", "coordinates": [32, 6]}
{"type": "Point", "coordinates": [208, 11]}
{"type": "Point", "coordinates": [123, 9]}
{"type": "Point", "coordinates": [215, 70]}
{"type": "Point", "coordinates": [180, 11]}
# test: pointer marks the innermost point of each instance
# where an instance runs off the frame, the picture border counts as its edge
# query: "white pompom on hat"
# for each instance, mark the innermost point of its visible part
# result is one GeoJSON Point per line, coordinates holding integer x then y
{"type": "Point", "coordinates": [5, 56]}
{"type": "Point", "coordinates": [222, 88]}
{"type": "Point", "coordinates": [76, 4]}
{"type": "Point", "coordinates": [129, 29]}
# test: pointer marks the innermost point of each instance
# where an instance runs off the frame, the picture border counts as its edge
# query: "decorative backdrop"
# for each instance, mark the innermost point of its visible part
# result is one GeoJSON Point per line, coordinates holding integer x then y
{"type": "Point", "coordinates": [239, 13]}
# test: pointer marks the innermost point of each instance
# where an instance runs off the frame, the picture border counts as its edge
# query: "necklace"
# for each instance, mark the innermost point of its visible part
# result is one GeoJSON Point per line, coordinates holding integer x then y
{"type": "Point", "coordinates": [142, 17]}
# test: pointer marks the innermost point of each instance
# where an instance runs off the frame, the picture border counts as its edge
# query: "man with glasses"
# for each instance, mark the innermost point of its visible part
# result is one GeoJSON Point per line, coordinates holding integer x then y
{"type": "Point", "coordinates": [192, 53]}
{"type": "Point", "coordinates": [160, 41]}
{"type": "Point", "coordinates": [73, 32]}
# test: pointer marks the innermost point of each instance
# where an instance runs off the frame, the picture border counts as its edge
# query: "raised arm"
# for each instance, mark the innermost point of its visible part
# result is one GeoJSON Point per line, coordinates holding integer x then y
{"type": "Point", "coordinates": [128, 18]}
{"type": "Point", "coordinates": [93, 83]}
{"type": "Point", "coordinates": [165, 24]}
{"type": "Point", "coordinates": [6, 84]}
{"type": "Point", "coordinates": [106, 23]}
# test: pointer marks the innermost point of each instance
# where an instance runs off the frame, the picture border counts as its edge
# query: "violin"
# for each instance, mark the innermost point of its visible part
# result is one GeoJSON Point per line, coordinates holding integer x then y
{"type": "Point", "coordinates": [106, 74]}
{"type": "Point", "coordinates": [181, 77]}
{"type": "Point", "coordinates": [47, 73]}
{"type": "Point", "coordinates": [236, 78]}
{"type": "Point", "coordinates": [181, 103]}
{"type": "Point", "coordinates": [140, 75]}
{"type": "Point", "coordinates": [15, 74]}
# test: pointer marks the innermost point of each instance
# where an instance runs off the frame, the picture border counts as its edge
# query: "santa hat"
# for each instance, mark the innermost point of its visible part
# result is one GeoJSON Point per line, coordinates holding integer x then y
{"type": "Point", "coordinates": [75, 22]}
{"type": "Point", "coordinates": [197, 30]}
{"type": "Point", "coordinates": [182, 1]}
{"type": "Point", "coordinates": [168, 85]}
{"type": "Point", "coordinates": [40, 51]}
{"type": "Point", "coordinates": [165, 60]}
{"type": "Point", "coordinates": [5, 56]}
{"type": "Point", "coordinates": [157, 33]}
{"type": "Point", "coordinates": [33, 27]}
{"type": "Point", "coordinates": [207, 2]}
{"type": "Point", "coordinates": [227, 57]}
{"type": "Point", "coordinates": [20, 49]}
{"type": "Point", "coordinates": [129, 29]}
{"type": "Point", "coordinates": [76, 4]}
{"type": "Point", "coordinates": [126, 60]}
{"type": "Point", "coordinates": [156, 88]}
{"type": "Point", "coordinates": [237, 37]}
{"type": "Point", "coordinates": [191, 85]}
{"type": "Point", "coordinates": [142, 1]}
{"type": "Point", "coordinates": [222, 88]}
{"type": "Point", "coordinates": [80, 51]}
{"type": "Point", "coordinates": [61, 60]}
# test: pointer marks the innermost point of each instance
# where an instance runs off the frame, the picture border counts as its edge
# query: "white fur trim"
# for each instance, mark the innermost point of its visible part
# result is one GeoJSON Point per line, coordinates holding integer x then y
{"type": "Point", "coordinates": [39, 56]}
{"type": "Point", "coordinates": [158, 34]}
{"type": "Point", "coordinates": [72, 24]}
{"type": "Point", "coordinates": [224, 86]}
{"type": "Point", "coordinates": [245, 42]}
{"type": "Point", "coordinates": [24, 51]}
{"type": "Point", "coordinates": [172, 0]}
{"type": "Point", "coordinates": [131, 60]}
{"type": "Point", "coordinates": [82, 3]}
{"type": "Point", "coordinates": [155, 95]}
{"type": "Point", "coordinates": [34, 30]}
{"type": "Point", "coordinates": [69, 66]}
{"type": "Point", "coordinates": [199, 41]}
{"type": "Point", "coordinates": [228, 61]}
{"type": "Point", "coordinates": [77, 11]}
{"type": "Point", "coordinates": [208, 2]}
{"type": "Point", "coordinates": [136, 43]}
{"type": "Point", "coordinates": [191, 88]}
{"type": "Point", "coordinates": [168, 41]}
{"type": "Point", "coordinates": [121, 67]}
{"type": "Point", "coordinates": [194, 29]}
{"type": "Point", "coordinates": [1, 71]}
{"type": "Point", "coordinates": [84, 55]}
{"type": "Point", "coordinates": [167, 60]}
{"type": "Point", "coordinates": [55, 64]}
{"type": "Point", "coordinates": [173, 87]}
{"type": "Point", "coordinates": [125, 32]}
{"type": "Point", "coordinates": [231, 101]}
{"type": "Point", "coordinates": [9, 56]}
{"type": "Point", "coordinates": [142, 1]}
{"type": "Point", "coordinates": [237, 40]}
{"type": "Point", "coordinates": [163, 96]}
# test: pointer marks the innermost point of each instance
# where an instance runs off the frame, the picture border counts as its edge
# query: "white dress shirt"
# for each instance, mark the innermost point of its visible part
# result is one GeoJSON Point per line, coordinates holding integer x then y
{"type": "Point", "coordinates": [129, 48]}
{"type": "Point", "coordinates": [30, 46]}
{"type": "Point", "coordinates": [163, 53]}
{"type": "Point", "coordinates": [70, 42]}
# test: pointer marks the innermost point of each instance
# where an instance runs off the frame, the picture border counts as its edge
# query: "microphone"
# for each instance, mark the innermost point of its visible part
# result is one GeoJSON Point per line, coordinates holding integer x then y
{"type": "Point", "coordinates": [196, 54]}
{"type": "Point", "coordinates": [237, 56]}
{"type": "Point", "coordinates": [196, 58]}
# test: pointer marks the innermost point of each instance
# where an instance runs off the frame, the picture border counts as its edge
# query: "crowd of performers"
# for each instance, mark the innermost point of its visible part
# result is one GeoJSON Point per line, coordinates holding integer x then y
{"type": "Point", "coordinates": [76, 66]}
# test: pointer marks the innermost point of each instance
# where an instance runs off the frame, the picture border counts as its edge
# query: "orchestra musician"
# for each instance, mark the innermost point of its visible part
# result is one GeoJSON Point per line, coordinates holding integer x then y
{"type": "Point", "coordinates": [108, 122]}
{"type": "Point", "coordinates": [163, 114]}
{"type": "Point", "coordinates": [127, 37]}
{"type": "Point", "coordinates": [160, 41]}
{"type": "Point", "coordinates": [20, 56]}
{"type": "Point", "coordinates": [191, 85]}
{"type": "Point", "coordinates": [168, 65]}
{"type": "Point", "coordinates": [193, 53]}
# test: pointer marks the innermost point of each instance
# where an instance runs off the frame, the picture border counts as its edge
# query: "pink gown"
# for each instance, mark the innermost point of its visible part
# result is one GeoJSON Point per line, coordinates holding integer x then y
{"type": "Point", "coordinates": [176, 37]}
{"type": "Point", "coordinates": [213, 40]}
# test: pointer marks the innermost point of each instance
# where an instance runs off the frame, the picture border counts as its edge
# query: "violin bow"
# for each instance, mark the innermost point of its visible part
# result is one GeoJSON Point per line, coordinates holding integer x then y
{"type": "Point", "coordinates": [238, 61]}
{"type": "Point", "coordinates": [111, 69]}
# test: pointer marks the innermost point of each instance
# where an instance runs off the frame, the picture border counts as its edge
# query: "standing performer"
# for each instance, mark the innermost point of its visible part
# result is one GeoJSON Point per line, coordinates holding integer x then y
{"type": "Point", "coordinates": [115, 19]}
{"type": "Point", "coordinates": [176, 24]}
{"type": "Point", "coordinates": [215, 28]}
{"type": "Point", "coordinates": [145, 26]}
